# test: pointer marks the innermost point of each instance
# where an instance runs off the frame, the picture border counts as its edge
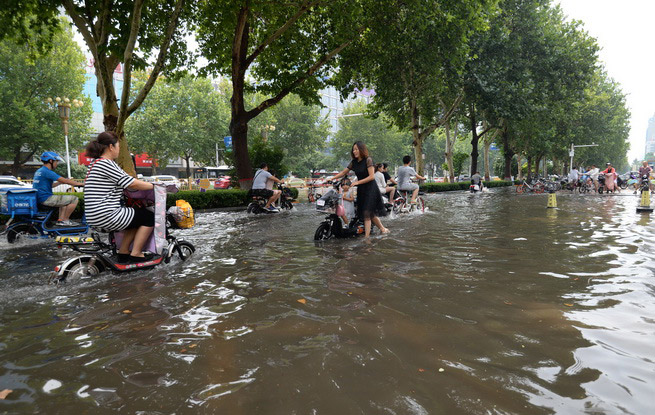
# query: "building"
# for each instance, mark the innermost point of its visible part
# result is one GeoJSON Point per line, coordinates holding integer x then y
{"type": "Point", "coordinates": [650, 136]}
{"type": "Point", "coordinates": [334, 104]}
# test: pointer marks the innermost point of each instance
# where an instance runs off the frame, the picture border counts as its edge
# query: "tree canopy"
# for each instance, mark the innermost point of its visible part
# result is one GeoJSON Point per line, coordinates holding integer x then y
{"type": "Point", "coordinates": [136, 34]}
{"type": "Point", "coordinates": [28, 75]}
{"type": "Point", "coordinates": [183, 118]}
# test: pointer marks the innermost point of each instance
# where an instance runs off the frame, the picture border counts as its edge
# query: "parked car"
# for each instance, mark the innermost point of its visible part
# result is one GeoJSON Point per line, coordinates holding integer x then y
{"type": "Point", "coordinates": [65, 188]}
{"type": "Point", "coordinates": [294, 182]}
{"type": "Point", "coordinates": [13, 183]}
{"type": "Point", "coordinates": [223, 182]}
{"type": "Point", "coordinates": [165, 178]}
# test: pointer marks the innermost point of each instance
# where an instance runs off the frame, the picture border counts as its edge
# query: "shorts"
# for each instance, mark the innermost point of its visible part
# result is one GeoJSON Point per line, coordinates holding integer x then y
{"type": "Point", "coordinates": [59, 200]}
{"type": "Point", "coordinates": [142, 217]}
{"type": "Point", "coordinates": [410, 187]}
{"type": "Point", "coordinates": [265, 193]}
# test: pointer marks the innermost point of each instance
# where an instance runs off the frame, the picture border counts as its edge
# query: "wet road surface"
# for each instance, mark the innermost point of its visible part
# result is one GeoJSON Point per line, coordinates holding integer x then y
{"type": "Point", "coordinates": [485, 304]}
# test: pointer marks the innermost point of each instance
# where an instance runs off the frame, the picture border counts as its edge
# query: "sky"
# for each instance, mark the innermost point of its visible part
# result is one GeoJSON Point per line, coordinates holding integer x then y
{"type": "Point", "coordinates": [624, 31]}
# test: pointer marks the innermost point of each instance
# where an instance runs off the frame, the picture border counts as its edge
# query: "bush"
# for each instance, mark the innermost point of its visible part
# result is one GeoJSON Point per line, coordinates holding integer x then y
{"type": "Point", "coordinates": [210, 199]}
{"type": "Point", "coordinates": [447, 187]}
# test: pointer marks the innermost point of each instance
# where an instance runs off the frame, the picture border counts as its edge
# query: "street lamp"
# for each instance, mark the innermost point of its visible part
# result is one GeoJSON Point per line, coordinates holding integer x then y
{"type": "Point", "coordinates": [64, 107]}
{"type": "Point", "coordinates": [265, 130]}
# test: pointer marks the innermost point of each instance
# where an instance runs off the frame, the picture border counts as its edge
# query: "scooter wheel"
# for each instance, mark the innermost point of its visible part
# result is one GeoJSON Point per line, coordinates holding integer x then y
{"type": "Point", "coordinates": [19, 231]}
{"type": "Point", "coordinates": [323, 232]}
{"type": "Point", "coordinates": [81, 269]}
{"type": "Point", "coordinates": [185, 250]}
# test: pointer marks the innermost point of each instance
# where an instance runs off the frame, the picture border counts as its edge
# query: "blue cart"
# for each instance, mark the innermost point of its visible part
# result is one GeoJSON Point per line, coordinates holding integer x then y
{"type": "Point", "coordinates": [29, 220]}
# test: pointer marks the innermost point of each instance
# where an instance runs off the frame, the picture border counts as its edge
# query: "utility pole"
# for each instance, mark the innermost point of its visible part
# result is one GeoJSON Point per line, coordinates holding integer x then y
{"type": "Point", "coordinates": [572, 151]}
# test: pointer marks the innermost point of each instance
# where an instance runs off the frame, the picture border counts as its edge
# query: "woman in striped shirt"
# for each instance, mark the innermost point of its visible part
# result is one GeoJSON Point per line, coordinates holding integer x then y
{"type": "Point", "coordinates": [104, 185]}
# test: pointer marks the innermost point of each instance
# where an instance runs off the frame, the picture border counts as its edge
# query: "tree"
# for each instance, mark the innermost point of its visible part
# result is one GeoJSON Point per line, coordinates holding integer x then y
{"type": "Point", "coordinates": [458, 162]}
{"type": "Point", "coordinates": [27, 76]}
{"type": "Point", "coordinates": [385, 144]}
{"type": "Point", "coordinates": [600, 116]}
{"type": "Point", "coordinates": [183, 117]}
{"type": "Point", "coordinates": [282, 47]}
{"type": "Point", "coordinates": [272, 154]}
{"type": "Point", "coordinates": [134, 34]}
{"type": "Point", "coordinates": [527, 61]}
{"type": "Point", "coordinates": [411, 56]}
{"type": "Point", "coordinates": [301, 132]}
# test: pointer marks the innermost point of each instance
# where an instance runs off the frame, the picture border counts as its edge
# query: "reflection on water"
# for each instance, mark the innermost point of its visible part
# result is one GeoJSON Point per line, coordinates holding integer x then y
{"type": "Point", "coordinates": [486, 304]}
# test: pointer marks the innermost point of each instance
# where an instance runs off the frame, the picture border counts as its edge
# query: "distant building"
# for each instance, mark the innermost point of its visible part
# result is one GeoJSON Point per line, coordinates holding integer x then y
{"type": "Point", "coordinates": [650, 136]}
{"type": "Point", "coordinates": [334, 104]}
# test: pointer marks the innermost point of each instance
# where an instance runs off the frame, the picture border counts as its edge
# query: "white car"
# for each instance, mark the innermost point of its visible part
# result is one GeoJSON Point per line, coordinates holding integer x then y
{"type": "Point", "coordinates": [165, 178]}
{"type": "Point", "coordinates": [13, 183]}
{"type": "Point", "coordinates": [65, 188]}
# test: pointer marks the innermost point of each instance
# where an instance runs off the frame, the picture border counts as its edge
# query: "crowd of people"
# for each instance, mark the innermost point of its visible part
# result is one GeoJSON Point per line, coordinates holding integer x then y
{"type": "Point", "coordinates": [105, 183]}
{"type": "Point", "coordinates": [611, 178]}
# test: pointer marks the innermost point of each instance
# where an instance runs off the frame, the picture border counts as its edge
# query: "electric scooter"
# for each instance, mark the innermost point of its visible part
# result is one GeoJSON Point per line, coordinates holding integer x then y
{"type": "Point", "coordinates": [99, 256]}
{"type": "Point", "coordinates": [332, 226]}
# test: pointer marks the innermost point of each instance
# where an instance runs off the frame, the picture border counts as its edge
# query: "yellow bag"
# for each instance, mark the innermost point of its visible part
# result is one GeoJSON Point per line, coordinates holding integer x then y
{"type": "Point", "coordinates": [187, 220]}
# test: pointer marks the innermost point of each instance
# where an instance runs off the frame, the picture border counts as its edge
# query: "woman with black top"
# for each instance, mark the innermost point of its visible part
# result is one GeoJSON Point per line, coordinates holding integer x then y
{"type": "Point", "coordinates": [369, 200]}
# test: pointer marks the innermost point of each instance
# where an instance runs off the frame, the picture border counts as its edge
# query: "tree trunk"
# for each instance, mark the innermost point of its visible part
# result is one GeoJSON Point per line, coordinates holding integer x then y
{"type": "Point", "coordinates": [449, 153]}
{"type": "Point", "coordinates": [537, 164]}
{"type": "Point", "coordinates": [107, 93]}
{"type": "Point", "coordinates": [417, 143]}
{"type": "Point", "coordinates": [509, 154]}
{"type": "Point", "coordinates": [188, 167]}
{"type": "Point", "coordinates": [487, 168]}
{"type": "Point", "coordinates": [475, 139]}
{"type": "Point", "coordinates": [239, 132]}
{"type": "Point", "coordinates": [15, 167]}
{"type": "Point", "coordinates": [529, 167]}
{"type": "Point", "coordinates": [19, 162]}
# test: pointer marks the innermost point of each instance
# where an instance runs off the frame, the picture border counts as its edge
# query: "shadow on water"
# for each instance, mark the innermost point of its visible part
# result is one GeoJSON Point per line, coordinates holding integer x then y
{"type": "Point", "coordinates": [485, 304]}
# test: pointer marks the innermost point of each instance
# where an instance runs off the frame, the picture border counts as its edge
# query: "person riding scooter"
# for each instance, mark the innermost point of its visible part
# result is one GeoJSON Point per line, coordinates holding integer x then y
{"type": "Point", "coordinates": [476, 182]}
{"type": "Point", "coordinates": [103, 190]}
{"type": "Point", "coordinates": [260, 188]}
{"type": "Point", "coordinates": [44, 180]}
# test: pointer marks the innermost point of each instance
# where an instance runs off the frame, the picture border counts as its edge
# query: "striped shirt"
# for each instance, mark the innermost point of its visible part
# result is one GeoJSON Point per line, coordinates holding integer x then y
{"type": "Point", "coordinates": [103, 190]}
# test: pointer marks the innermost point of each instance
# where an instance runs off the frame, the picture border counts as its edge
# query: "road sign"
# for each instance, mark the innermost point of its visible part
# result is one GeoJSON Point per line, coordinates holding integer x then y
{"type": "Point", "coordinates": [228, 143]}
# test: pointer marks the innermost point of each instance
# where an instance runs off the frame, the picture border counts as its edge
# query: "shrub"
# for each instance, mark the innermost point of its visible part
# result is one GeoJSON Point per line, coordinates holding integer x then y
{"type": "Point", "coordinates": [447, 187]}
{"type": "Point", "coordinates": [210, 199]}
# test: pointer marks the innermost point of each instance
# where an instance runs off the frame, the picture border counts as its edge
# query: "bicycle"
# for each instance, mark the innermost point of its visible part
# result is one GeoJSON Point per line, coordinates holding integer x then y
{"type": "Point", "coordinates": [585, 185]}
{"type": "Point", "coordinates": [538, 187]}
{"type": "Point", "coordinates": [402, 205]}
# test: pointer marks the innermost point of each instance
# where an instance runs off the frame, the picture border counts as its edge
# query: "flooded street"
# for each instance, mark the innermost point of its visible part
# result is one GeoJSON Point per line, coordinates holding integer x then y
{"type": "Point", "coordinates": [485, 304]}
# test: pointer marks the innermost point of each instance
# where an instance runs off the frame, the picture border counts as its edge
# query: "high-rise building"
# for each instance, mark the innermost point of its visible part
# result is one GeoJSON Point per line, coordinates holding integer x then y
{"type": "Point", "coordinates": [333, 106]}
{"type": "Point", "coordinates": [650, 136]}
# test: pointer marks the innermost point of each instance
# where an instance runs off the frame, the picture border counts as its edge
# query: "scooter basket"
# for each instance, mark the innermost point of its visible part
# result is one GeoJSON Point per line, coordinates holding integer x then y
{"type": "Point", "coordinates": [182, 214]}
{"type": "Point", "coordinates": [18, 202]}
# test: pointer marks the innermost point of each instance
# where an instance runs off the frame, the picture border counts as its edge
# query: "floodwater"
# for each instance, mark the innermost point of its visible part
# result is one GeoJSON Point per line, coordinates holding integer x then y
{"type": "Point", "coordinates": [486, 304]}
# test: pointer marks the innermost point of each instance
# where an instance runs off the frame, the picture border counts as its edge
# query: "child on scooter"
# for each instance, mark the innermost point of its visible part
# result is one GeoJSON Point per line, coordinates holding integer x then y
{"type": "Point", "coordinates": [348, 201]}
